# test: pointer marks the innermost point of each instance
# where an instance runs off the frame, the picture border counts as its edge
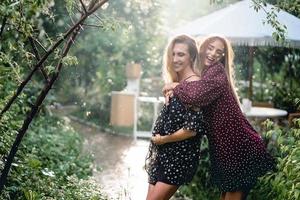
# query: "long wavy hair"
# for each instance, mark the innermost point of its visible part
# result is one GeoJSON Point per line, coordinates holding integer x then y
{"type": "Point", "coordinates": [169, 74]}
{"type": "Point", "coordinates": [226, 60]}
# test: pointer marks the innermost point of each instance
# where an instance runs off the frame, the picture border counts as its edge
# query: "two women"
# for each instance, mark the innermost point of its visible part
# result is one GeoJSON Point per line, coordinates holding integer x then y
{"type": "Point", "coordinates": [238, 154]}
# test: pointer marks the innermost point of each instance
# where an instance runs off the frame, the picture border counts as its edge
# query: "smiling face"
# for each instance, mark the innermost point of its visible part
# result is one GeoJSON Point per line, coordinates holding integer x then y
{"type": "Point", "coordinates": [214, 52]}
{"type": "Point", "coordinates": [181, 57]}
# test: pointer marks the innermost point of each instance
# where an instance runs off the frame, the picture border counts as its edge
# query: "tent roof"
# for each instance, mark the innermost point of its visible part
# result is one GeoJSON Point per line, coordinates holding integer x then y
{"type": "Point", "coordinates": [242, 25]}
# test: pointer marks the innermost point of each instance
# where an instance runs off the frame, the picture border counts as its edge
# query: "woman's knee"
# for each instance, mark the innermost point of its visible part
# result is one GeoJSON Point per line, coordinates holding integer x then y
{"type": "Point", "coordinates": [154, 197]}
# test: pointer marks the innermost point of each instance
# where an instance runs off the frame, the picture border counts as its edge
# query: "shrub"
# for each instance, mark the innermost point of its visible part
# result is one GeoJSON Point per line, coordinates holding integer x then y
{"type": "Point", "coordinates": [49, 163]}
{"type": "Point", "coordinates": [285, 182]}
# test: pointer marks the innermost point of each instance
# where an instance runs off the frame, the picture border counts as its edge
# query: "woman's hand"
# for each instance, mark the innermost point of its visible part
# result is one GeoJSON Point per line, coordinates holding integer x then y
{"type": "Point", "coordinates": [168, 91]}
{"type": "Point", "coordinates": [168, 87]}
{"type": "Point", "coordinates": [158, 139]}
{"type": "Point", "coordinates": [168, 95]}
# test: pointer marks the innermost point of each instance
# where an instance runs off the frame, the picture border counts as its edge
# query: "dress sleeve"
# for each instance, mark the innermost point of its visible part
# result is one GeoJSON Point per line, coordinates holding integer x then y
{"type": "Point", "coordinates": [193, 121]}
{"type": "Point", "coordinates": [204, 91]}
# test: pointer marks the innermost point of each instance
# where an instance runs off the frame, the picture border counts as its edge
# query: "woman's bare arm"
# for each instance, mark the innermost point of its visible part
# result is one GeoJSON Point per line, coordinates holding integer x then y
{"type": "Point", "coordinates": [181, 134]}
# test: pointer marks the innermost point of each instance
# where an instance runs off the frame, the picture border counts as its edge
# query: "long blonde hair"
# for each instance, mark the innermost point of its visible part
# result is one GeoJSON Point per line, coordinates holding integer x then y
{"type": "Point", "coordinates": [169, 74]}
{"type": "Point", "coordinates": [226, 60]}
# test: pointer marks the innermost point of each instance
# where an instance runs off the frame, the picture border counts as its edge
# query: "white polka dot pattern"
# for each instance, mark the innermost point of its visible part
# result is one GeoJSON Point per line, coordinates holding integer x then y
{"type": "Point", "coordinates": [175, 163]}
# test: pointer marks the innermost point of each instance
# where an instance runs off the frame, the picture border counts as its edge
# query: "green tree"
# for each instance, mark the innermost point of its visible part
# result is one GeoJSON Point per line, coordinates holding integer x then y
{"type": "Point", "coordinates": [134, 36]}
{"type": "Point", "coordinates": [16, 16]}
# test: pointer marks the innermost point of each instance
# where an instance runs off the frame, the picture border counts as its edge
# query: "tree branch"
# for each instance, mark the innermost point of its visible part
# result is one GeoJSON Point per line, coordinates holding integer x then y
{"type": "Point", "coordinates": [37, 56]}
{"type": "Point", "coordinates": [33, 112]}
{"type": "Point", "coordinates": [93, 25]}
{"type": "Point", "coordinates": [3, 25]}
{"type": "Point", "coordinates": [23, 129]}
{"type": "Point", "coordinates": [280, 29]}
{"type": "Point", "coordinates": [34, 109]}
{"type": "Point", "coordinates": [97, 17]}
{"type": "Point", "coordinates": [96, 5]}
{"type": "Point", "coordinates": [40, 44]}
{"type": "Point", "coordinates": [39, 64]}
{"type": "Point", "coordinates": [83, 6]}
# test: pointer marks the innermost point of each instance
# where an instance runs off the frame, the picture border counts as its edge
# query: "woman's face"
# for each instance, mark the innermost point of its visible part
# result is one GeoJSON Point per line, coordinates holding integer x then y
{"type": "Point", "coordinates": [181, 57]}
{"type": "Point", "coordinates": [214, 52]}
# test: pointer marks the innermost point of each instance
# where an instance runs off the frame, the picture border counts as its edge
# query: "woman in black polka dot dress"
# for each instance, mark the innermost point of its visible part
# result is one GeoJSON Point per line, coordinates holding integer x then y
{"type": "Point", "coordinates": [175, 147]}
{"type": "Point", "coordinates": [175, 163]}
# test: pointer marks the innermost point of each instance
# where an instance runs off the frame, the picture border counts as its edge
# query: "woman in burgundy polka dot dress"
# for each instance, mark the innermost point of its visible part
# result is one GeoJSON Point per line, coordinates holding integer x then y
{"type": "Point", "coordinates": [237, 151]}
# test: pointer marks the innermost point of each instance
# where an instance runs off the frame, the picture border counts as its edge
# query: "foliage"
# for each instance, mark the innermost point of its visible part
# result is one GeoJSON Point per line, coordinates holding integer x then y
{"type": "Point", "coordinates": [275, 75]}
{"type": "Point", "coordinates": [49, 163]}
{"type": "Point", "coordinates": [290, 6]}
{"type": "Point", "coordinates": [278, 77]}
{"type": "Point", "coordinates": [280, 29]}
{"type": "Point", "coordinates": [21, 22]}
{"type": "Point", "coordinates": [133, 35]}
{"type": "Point", "coordinates": [19, 26]}
{"type": "Point", "coordinates": [287, 98]}
{"type": "Point", "coordinates": [284, 183]}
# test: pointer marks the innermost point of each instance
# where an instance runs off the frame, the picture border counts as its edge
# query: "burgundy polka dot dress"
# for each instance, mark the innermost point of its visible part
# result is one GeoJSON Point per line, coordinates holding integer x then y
{"type": "Point", "coordinates": [238, 154]}
{"type": "Point", "coordinates": [175, 163]}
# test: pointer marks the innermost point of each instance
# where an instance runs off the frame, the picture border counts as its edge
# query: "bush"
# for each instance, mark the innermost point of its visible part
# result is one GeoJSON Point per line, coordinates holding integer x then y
{"type": "Point", "coordinates": [49, 163]}
{"type": "Point", "coordinates": [285, 182]}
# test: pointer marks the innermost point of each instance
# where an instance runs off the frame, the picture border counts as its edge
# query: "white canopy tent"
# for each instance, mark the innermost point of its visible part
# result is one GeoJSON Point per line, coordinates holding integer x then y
{"type": "Point", "coordinates": [243, 26]}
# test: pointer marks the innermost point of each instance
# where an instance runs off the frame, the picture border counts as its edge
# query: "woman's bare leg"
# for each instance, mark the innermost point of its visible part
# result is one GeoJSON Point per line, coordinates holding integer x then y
{"type": "Point", "coordinates": [150, 190]}
{"type": "Point", "coordinates": [234, 195]}
{"type": "Point", "coordinates": [162, 191]}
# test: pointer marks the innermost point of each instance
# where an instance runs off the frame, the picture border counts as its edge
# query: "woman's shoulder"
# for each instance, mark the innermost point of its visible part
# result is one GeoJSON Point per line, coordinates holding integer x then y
{"type": "Point", "coordinates": [193, 78]}
{"type": "Point", "coordinates": [218, 67]}
{"type": "Point", "coordinates": [217, 70]}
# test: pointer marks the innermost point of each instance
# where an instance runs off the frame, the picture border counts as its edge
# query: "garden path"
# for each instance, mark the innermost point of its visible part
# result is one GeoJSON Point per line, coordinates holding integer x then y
{"type": "Point", "coordinates": [120, 160]}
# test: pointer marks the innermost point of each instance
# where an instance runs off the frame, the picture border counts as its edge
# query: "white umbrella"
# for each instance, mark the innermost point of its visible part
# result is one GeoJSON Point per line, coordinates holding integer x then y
{"type": "Point", "coordinates": [243, 26]}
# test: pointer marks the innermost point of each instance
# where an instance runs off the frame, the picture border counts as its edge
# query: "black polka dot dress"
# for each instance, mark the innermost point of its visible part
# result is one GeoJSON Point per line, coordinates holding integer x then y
{"type": "Point", "coordinates": [238, 153]}
{"type": "Point", "coordinates": [175, 163]}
